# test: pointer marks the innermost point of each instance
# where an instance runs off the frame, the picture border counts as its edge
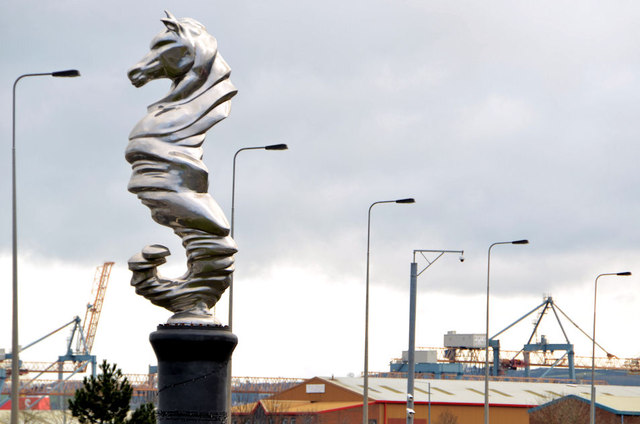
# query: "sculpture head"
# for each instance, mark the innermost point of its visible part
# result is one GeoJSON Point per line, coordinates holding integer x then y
{"type": "Point", "coordinates": [184, 53]}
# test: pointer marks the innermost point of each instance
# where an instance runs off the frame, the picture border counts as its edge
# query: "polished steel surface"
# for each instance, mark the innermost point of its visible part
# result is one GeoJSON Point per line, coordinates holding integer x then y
{"type": "Point", "coordinates": [169, 177]}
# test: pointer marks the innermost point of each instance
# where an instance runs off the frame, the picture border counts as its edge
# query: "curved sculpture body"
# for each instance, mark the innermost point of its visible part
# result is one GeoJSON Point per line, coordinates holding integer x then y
{"type": "Point", "coordinates": [169, 177]}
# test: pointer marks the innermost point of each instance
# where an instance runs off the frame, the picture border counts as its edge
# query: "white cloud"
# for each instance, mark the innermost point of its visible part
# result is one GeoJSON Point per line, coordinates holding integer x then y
{"type": "Point", "coordinates": [496, 117]}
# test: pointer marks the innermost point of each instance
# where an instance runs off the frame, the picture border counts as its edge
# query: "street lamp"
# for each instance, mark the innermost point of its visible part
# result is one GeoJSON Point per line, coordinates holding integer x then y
{"type": "Point", "coordinates": [592, 415]}
{"type": "Point", "coordinates": [233, 202]}
{"type": "Point", "coordinates": [365, 394]}
{"type": "Point", "coordinates": [233, 208]}
{"type": "Point", "coordinates": [15, 360]}
{"type": "Point", "coordinates": [412, 323]}
{"type": "Point", "coordinates": [486, 345]}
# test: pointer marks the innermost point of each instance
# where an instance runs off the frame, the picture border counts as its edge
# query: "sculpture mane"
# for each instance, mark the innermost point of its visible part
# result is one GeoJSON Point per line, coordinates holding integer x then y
{"type": "Point", "coordinates": [169, 177]}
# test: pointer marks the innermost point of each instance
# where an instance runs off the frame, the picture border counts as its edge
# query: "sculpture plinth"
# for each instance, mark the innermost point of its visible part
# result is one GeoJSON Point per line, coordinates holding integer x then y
{"type": "Point", "coordinates": [193, 368]}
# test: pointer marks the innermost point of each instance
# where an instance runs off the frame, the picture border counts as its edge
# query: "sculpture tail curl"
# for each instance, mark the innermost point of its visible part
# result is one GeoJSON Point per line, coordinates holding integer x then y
{"type": "Point", "coordinates": [210, 265]}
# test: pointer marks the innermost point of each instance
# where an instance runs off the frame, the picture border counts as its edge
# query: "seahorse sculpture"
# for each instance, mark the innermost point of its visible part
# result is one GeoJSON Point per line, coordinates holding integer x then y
{"type": "Point", "coordinates": [169, 177]}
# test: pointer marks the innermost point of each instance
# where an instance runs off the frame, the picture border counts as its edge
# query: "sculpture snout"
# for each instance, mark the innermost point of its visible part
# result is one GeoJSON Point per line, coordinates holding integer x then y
{"type": "Point", "coordinates": [147, 69]}
{"type": "Point", "coordinates": [137, 77]}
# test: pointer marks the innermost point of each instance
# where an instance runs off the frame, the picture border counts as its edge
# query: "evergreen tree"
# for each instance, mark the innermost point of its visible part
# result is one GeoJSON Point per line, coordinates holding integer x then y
{"type": "Point", "coordinates": [145, 414]}
{"type": "Point", "coordinates": [103, 399]}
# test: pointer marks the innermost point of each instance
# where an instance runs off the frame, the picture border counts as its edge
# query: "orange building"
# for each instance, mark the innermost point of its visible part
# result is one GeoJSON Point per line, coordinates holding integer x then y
{"type": "Point", "coordinates": [339, 401]}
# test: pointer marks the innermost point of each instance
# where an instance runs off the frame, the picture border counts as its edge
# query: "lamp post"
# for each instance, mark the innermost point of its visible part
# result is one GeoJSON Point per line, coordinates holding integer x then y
{"type": "Point", "coordinates": [486, 346]}
{"type": "Point", "coordinates": [592, 415]}
{"type": "Point", "coordinates": [412, 324]}
{"type": "Point", "coordinates": [233, 208]}
{"type": "Point", "coordinates": [233, 202]}
{"type": "Point", "coordinates": [15, 360]}
{"type": "Point", "coordinates": [365, 394]}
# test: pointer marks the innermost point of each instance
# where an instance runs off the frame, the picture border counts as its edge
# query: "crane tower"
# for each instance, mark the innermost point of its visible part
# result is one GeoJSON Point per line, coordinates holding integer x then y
{"type": "Point", "coordinates": [92, 315]}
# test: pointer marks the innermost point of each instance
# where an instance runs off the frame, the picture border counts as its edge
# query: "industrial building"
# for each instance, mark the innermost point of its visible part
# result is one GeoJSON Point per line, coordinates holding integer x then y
{"type": "Point", "coordinates": [576, 408]}
{"type": "Point", "coordinates": [339, 401]}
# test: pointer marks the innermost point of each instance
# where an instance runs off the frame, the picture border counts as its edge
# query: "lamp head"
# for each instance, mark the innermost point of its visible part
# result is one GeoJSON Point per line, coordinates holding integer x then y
{"type": "Point", "coordinates": [68, 73]}
{"type": "Point", "coordinates": [407, 200]}
{"type": "Point", "coordinates": [276, 147]}
{"type": "Point", "coordinates": [520, 242]}
{"type": "Point", "coordinates": [624, 274]}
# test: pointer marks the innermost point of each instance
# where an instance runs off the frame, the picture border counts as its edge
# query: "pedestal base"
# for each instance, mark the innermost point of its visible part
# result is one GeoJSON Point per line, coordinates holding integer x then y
{"type": "Point", "coordinates": [193, 370]}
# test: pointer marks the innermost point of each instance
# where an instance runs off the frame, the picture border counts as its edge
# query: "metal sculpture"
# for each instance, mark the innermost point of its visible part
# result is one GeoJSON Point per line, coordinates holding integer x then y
{"type": "Point", "coordinates": [169, 177]}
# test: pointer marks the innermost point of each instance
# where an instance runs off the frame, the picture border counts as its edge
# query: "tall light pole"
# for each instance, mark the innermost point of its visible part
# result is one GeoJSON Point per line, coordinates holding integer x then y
{"type": "Point", "coordinates": [412, 323]}
{"type": "Point", "coordinates": [233, 208]}
{"type": "Point", "coordinates": [365, 394]}
{"type": "Point", "coordinates": [15, 359]}
{"type": "Point", "coordinates": [486, 346]}
{"type": "Point", "coordinates": [592, 415]}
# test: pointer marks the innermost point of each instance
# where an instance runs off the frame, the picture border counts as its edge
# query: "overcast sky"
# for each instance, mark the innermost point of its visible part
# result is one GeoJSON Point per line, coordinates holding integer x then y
{"type": "Point", "coordinates": [504, 120]}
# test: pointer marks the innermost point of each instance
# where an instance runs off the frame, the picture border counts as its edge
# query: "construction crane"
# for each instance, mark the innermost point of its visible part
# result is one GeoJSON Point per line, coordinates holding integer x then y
{"type": "Point", "coordinates": [87, 334]}
{"type": "Point", "coordinates": [84, 334]}
{"type": "Point", "coordinates": [73, 361]}
{"type": "Point", "coordinates": [539, 359]}
{"type": "Point", "coordinates": [469, 350]}
{"type": "Point", "coordinates": [92, 315]}
{"type": "Point", "coordinates": [539, 354]}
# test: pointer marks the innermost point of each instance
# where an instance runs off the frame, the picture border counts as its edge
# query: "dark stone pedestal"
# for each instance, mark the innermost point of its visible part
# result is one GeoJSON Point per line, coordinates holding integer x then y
{"type": "Point", "coordinates": [193, 368]}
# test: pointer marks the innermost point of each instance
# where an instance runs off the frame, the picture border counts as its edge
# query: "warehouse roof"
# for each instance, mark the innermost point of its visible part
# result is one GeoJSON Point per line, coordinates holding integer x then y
{"type": "Point", "coordinates": [511, 393]}
{"type": "Point", "coordinates": [619, 405]}
{"type": "Point", "coordinates": [329, 394]}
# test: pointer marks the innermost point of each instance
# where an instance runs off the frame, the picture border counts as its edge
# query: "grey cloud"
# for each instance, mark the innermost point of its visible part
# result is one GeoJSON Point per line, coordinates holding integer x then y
{"type": "Point", "coordinates": [503, 122]}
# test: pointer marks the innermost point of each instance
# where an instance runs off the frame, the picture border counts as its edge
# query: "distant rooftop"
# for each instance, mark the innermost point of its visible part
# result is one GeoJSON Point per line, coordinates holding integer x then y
{"type": "Point", "coordinates": [526, 394]}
